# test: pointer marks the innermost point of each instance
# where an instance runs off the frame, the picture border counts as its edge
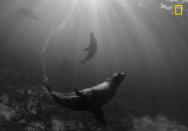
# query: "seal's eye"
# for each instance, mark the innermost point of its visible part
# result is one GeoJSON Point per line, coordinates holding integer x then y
{"type": "Point", "coordinates": [120, 75]}
{"type": "Point", "coordinates": [117, 75]}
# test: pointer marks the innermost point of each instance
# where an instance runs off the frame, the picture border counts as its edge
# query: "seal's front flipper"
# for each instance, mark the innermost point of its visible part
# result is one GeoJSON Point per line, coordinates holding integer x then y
{"type": "Point", "coordinates": [78, 93]}
{"type": "Point", "coordinates": [99, 115]}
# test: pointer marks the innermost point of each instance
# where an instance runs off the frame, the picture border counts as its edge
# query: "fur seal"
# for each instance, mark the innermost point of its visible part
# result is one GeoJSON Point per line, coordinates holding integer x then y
{"type": "Point", "coordinates": [90, 99]}
{"type": "Point", "coordinates": [92, 48]}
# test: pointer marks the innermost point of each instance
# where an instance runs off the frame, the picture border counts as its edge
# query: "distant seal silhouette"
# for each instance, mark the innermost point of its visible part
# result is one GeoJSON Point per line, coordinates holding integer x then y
{"type": "Point", "coordinates": [92, 48]}
{"type": "Point", "coordinates": [28, 13]}
{"type": "Point", "coordinates": [90, 99]}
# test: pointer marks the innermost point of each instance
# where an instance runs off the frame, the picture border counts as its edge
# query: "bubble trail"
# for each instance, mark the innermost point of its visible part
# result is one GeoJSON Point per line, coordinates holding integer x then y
{"type": "Point", "coordinates": [54, 32]}
{"type": "Point", "coordinates": [123, 3]}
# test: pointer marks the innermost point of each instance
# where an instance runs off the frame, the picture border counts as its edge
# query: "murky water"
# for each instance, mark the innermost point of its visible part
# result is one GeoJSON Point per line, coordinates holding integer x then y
{"type": "Point", "coordinates": [45, 39]}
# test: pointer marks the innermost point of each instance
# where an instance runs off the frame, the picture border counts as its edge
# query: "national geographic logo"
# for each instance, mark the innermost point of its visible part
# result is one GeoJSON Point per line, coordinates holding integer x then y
{"type": "Point", "coordinates": [178, 7]}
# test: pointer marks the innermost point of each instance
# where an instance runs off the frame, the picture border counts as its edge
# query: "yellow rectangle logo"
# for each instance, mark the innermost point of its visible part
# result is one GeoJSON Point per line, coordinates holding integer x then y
{"type": "Point", "coordinates": [178, 9]}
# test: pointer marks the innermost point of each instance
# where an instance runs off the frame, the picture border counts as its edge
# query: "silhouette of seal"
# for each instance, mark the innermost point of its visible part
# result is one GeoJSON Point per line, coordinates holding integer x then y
{"type": "Point", "coordinates": [92, 48]}
{"type": "Point", "coordinates": [28, 13]}
{"type": "Point", "coordinates": [90, 99]}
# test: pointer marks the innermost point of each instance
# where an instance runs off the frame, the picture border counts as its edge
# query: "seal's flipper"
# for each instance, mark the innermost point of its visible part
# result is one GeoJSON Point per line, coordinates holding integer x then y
{"type": "Point", "coordinates": [99, 115]}
{"type": "Point", "coordinates": [78, 93]}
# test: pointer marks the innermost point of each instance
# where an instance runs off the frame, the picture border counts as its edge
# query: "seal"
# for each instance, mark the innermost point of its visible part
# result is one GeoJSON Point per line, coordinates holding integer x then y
{"type": "Point", "coordinates": [28, 13]}
{"type": "Point", "coordinates": [90, 99]}
{"type": "Point", "coordinates": [91, 49]}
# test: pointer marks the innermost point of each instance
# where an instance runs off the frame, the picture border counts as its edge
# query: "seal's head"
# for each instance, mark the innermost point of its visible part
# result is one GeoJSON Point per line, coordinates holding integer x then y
{"type": "Point", "coordinates": [117, 78]}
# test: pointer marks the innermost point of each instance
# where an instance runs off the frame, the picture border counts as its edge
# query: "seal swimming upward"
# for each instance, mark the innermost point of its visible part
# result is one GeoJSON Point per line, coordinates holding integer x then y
{"type": "Point", "coordinates": [90, 99]}
{"type": "Point", "coordinates": [92, 48]}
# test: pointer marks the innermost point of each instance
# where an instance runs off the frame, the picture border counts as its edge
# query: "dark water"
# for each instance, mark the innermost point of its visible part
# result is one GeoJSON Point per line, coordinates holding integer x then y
{"type": "Point", "coordinates": [142, 37]}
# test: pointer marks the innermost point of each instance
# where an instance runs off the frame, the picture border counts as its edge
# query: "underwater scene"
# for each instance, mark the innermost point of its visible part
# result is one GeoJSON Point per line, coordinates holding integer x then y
{"type": "Point", "coordinates": [93, 65]}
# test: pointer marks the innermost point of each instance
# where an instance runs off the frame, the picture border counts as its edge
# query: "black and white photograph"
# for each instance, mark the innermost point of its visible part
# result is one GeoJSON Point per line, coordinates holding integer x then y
{"type": "Point", "coordinates": [93, 65]}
